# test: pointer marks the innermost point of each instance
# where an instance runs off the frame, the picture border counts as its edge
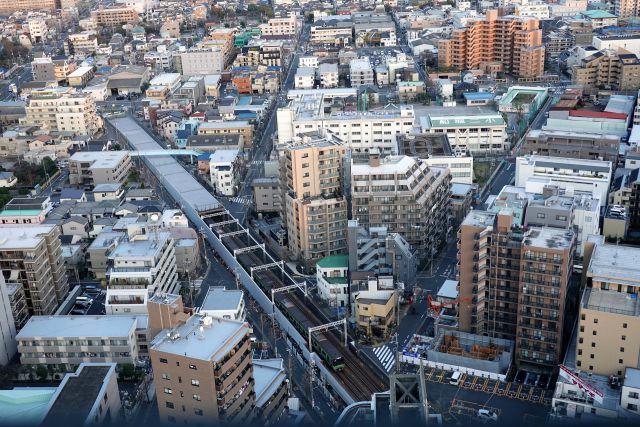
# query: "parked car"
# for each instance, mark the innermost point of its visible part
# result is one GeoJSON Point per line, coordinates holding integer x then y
{"type": "Point", "coordinates": [487, 415]}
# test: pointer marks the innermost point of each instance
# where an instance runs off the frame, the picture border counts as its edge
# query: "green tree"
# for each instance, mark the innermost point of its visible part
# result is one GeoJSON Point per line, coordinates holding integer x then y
{"type": "Point", "coordinates": [127, 371]}
{"type": "Point", "coordinates": [42, 372]}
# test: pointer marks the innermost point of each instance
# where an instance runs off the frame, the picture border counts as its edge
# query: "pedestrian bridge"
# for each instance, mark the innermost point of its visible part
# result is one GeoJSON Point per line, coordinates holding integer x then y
{"type": "Point", "coordinates": [170, 152]}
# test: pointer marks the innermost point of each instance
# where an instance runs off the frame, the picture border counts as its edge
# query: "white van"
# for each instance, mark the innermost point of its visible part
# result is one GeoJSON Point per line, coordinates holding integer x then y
{"type": "Point", "coordinates": [86, 300]}
{"type": "Point", "coordinates": [455, 378]}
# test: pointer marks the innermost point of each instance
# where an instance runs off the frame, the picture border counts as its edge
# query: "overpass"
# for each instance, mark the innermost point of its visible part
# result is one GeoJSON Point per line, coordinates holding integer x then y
{"type": "Point", "coordinates": [162, 152]}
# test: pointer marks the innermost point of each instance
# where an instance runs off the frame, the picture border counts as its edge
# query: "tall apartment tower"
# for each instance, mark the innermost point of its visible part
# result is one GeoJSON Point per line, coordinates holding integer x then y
{"type": "Point", "coordinates": [515, 283]}
{"type": "Point", "coordinates": [8, 345]}
{"type": "Point", "coordinates": [204, 372]}
{"type": "Point", "coordinates": [314, 207]}
{"type": "Point", "coordinates": [404, 195]}
{"type": "Point", "coordinates": [510, 43]}
{"type": "Point", "coordinates": [626, 8]}
{"type": "Point", "coordinates": [31, 256]}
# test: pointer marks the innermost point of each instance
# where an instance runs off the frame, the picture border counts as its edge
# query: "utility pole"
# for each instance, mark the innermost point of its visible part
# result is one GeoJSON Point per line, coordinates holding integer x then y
{"type": "Point", "coordinates": [311, 375]}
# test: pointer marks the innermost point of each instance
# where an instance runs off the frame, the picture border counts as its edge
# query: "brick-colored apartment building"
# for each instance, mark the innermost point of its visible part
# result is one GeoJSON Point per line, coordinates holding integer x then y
{"type": "Point", "coordinates": [509, 43]}
{"type": "Point", "coordinates": [515, 282]}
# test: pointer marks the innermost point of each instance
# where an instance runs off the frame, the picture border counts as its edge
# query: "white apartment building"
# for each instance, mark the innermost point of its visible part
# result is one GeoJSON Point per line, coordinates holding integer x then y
{"type": "Point", "coordinates": [361, 72]}
{"type": "Point", "coordinates": [308, 61]}
{"type": "Point", "coordinates": [200, 62]}
{"type": "Point", "coordinates": [329, 75]}
{"type": "Point", "coordinates": [460, 167]}
{"type": "Point", "coordinates": [280, 27]}
{"type": "Point", "coordinates": [71, 340]}
{"type": "Point", "coordinates": [99, 167]}
{"type": "Point", "coordinates": [362, 131]}
{"type": "Point", "coordinates": [224, 303]}
{"type": "Point", "coordinates": [171, 81]}
{"type": "Point", "coordinates": [84, 42]}
{"type": "Point", "coordinates": [538, 10]}
{"type": "Point", "coordinates": [146, 260]}
{"type": "Point", "coordinates": [224, 169]}
{"type": "Point", "coordinates": [7, 325]}
{"type": "Point", "coordinates": [588, 176]}
{"type": "Point", "coordinates": [334, 32]}
{"type": "Point", "coordinates": [37, 29]}
{"type": "Point", "coordinates": [61, 110]}
{"type": "Point", "coordinates": [477, 134]}
{"type": "Point", "coordinates": [305, 78]}
{"type": "Point", "coordinates": [331, 275]}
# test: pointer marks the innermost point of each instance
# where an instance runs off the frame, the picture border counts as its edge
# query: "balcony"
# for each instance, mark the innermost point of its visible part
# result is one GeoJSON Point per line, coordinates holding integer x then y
{"type": "Point", "coordinates": [550, 306]}
{"type": "Point", "coordinates": [539, 315]}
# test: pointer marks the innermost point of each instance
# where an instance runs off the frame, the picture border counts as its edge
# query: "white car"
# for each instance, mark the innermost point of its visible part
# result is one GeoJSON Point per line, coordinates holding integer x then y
{"type": "Point", "coordinates": [486, 415]}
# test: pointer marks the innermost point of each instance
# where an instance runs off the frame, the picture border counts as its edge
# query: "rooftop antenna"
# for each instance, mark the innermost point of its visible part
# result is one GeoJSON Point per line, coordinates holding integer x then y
{"type": "Point", "coordinates": [154, 220]}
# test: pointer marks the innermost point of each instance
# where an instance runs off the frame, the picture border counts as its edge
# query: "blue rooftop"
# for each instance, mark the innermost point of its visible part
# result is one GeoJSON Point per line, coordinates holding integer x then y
{"type": "Point", "coordinates": [477, 96]}
{"type": "Point", "coordinates": [204, 156]}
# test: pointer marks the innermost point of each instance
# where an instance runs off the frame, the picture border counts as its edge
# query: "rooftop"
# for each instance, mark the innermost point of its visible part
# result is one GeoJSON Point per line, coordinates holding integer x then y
{"type": "Point", "coordinates": [25, 406]}
{"type": "Point", "coordinates": [615, 263]}
{"type": "Point", "coordinates": [268, 374]}
{"type": "Point", "coordinates": [220, 298]}
{"type": "Point", "coordinates": [77, 326]}
{"type": "Point", "coordinates": [449, 289]}
{"type": "Point", "coordinates": [224, 156]}
{"type": "Point", "coordinates": [632, 377]}
{"type": "Point", "coordinates": [143, 247]}
{"type": "Point", "coordinates": [22, 236]}
{"type": "Point", "coordinates": [549, 238]}
{"type": "Point", "coordinates": [100, 159]}
{"type": "Point", "coordinates": [479, 219]}
{"type": "Point", "coordinates": [334, 261]}
{"type": "Point", "coordinates": [611, 302]}
{"type": "Point", "coordinates": [211, 342]}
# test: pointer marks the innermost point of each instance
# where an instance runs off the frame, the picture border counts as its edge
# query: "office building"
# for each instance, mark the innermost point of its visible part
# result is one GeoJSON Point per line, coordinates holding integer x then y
{"type": "Point", "coordinates": [224, 303]}
{"type": "Point", "coordinates": [99, 167]}
{"type": "Point", "coordinates": [314, 208]}
{"type": "Point", "coordinates": [379, 252]}
{"type": "Point", "coordinates": [31, 256]}
{"type": "Point", "coordinates": [572, 144]}
{"type": "Point", "coordinates": [333, 31]}
{"type": "Point", "coordinates": [484, 133]}
{"type": "Point", "coordinates": [266, 195]}
{"type": "Point", "coordinates": [68, 340]}
{"type": "Point", "coordinates": [609, 312]}
{"type": "Point", "coordinates": [205, 367]}
{"type": "Point", "coordinates": [7, 7]}
{"type": "Point", "coordinates": [405, 196]}
{"type": "Point", "coordinates": [585, 176]}
{"type": "Point", "coordinates": [362, 131]}
{"type": "Point", "coordinates": [512, 44]}
{"type": "Point", "coordinates": [60, 110]}
{"type": "Point", "coordinates": [280, 28]}
{"type": "Point", "coordinates": [516, 280]}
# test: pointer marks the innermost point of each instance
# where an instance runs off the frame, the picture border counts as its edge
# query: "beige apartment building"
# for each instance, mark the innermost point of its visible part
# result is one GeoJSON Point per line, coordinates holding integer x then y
{"type": "Point", "coordinates": [280, 27]}
{"type": "Point", "coordinates": [626, 8]}
{"type": "Point", "coordinates": [99, 167]}
{"type": "Point", "coordinates": [9, 6]}
{"type": "Point", "coordinates": [609, 316]}
{"type": "Point", "coordinates": [314, 207]}
{"type": "Point", "coordinates": [60, 110]}
{"type": "Point", "coordinates": [404, 195]}
{"type": "Point", "coordinates": [114, 15]}
{"type": "Point", "coordinates": [618, 70]}
{"type": "Point", "coordinates": [204, 373]}
{"type": "Point", "coordinates": [515, 282]}
{"type": "Point", "coordinates": [512, 44]}
{"type": "Point", "coordinates": [31, 256]}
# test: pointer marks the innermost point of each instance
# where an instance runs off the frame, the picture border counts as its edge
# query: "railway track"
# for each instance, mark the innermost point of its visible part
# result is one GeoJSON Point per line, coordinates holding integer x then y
{"type": "Point", "coordinates": [359, 380]}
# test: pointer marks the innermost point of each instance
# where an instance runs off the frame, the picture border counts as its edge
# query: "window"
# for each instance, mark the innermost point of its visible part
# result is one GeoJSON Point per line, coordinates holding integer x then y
{"type": "Point", "coordinates": [620, 361]}
{"type": "Point", "coordinates": [195, 383]}
{"type": "Point", "coordinates": [194, 367]}
{"type": "Point", "coordinates": [595, 332]}
{"type": "Point", "coordinates": [632, 407]}
{"type": "Point", "coordinates": [621, 349]}
{"type": "Point", "coordinates": [541, 215]}
{"type": "Point", "coordinates": [624, 338]}
{"type": "Point", "coordinates": [595, 320]}
{"type": "Point", "coordinates": [169, 405]}
{"type": "Point", "coordinates": [624, 325]}
{"type": "Point", "coordinates": [592, 356]}
{"type": "Point", "coordinates": [561, 217]}
{"type": "Point", "coordinates": [166, 376]}
{"type": "Point", "coordinates": [167, 390]}
{"type": "Point", "coordinates": [197, 397]}
{"type": "Point", "coordinates": [633, 395]}
{"type": "Point", "coordinates": [198, 411]}
{"type": "Point", "coordinates": [593, 344]}
{"type": "Point", "coordinates": [163, 360]}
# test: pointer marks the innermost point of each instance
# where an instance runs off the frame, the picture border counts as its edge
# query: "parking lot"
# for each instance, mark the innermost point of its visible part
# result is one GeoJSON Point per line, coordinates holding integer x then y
{"type": "Point", "coordinates": [89, 303]}
{"type": "Point", "coordinates": [510, 390]}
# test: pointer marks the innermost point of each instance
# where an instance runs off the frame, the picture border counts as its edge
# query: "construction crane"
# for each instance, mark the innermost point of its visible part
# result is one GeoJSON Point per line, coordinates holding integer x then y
{"type": "Point", "coordinates": [434, 307]}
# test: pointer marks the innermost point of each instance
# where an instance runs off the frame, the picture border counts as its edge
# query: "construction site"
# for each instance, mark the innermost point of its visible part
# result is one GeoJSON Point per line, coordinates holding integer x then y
{"type": "Point", "coordinates": [460, 351]}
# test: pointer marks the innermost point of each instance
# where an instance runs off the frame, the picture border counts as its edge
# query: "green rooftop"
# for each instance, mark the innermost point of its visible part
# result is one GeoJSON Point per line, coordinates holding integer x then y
{"type": "Point", "coordinates": [25, 406]}
{"type": "Point", "coordinates": [334, 261]}
{"type": "Point", "coordinates": [25, 212]}
{"type": "Point", "coordinates": [597, 14]}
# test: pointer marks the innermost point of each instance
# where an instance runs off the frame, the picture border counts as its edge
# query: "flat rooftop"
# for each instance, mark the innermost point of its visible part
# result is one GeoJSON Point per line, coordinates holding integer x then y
{"type": "Point", "coordinates": [479, 219]}
{"type": "Point", "coordinates": [220, 298]}
{"type": "Point", "coordinates": [77, 326]}
{"type": "Point", "coordinates": [611, 302]}
{"type": "Point", "coordinates": [101, 159]}
{"type": "Point", "coordinates": [22, 236]}
{"type": "Point", "coordinates": [140, 248]}
{"type": "Point", "coordinates": [549, 238]}
{"type": "Point", "coordinates": [25, 406]}
{"type": "Point", "coordinates": [615, 263]}
{"type": "Point", "coordinates": [224, 156]}
{"type": "Point", "coordinates": [77, 395]}
{"type": "Point", "coordinates": [212, 343]}
{"type": "Point", "coordinates": [268, 374]}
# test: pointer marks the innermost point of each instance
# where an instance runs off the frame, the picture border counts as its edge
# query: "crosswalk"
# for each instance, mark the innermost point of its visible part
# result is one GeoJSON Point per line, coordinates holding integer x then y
{"type": "Point", "coordinates": [256, 162]}
{"type": "Point", "coordinates": [386, 357]}
{"type": "Point", "coordinates": [243, 200]}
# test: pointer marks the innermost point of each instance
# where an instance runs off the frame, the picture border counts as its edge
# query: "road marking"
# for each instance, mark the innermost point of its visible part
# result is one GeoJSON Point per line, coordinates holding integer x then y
{"type": "Point", "coordinates": [386, 357]}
